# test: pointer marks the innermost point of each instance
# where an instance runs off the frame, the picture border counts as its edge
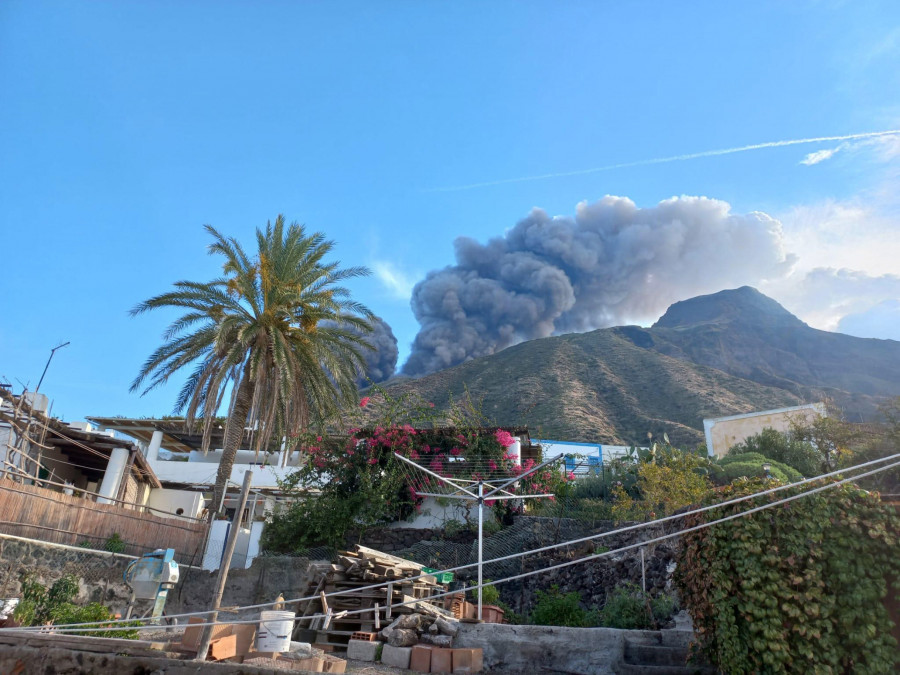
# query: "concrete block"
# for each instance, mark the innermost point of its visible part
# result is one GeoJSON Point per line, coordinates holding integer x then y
{"type": "Point", "coordinates": [397, 657]}
{"type": "Point", "coordinates": [441, 660]}
{"type": "Point", "coordinates": [420, 659]}
{"type": "Point", "coordinates": [467, 660]}
{"type": "Point", "coordinates": [362, 650]}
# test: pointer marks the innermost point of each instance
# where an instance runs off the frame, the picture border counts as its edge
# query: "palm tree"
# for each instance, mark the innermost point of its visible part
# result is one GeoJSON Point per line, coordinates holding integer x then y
{"type": "Point", "coordinates": [276, 331]}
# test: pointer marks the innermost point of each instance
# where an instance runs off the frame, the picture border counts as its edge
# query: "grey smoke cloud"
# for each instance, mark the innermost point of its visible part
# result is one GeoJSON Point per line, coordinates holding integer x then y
{"type": "Point", "coordinates": [380, 362]}
{"type": "Point", "coordinates": [611, 263]}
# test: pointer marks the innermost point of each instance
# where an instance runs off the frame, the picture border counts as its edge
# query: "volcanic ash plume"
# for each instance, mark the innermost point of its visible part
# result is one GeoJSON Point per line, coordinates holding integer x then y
{"type": "Point", "coordinates": [613, 263]}
{"type": "Point", "coordinates": [382, 362]}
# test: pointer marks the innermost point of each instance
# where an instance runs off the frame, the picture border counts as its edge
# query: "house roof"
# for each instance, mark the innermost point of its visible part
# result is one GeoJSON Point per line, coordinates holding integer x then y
{"type": "Point", "coordinates": [87, 450]}
{"type": "Point", "coordinates": [178, 435]}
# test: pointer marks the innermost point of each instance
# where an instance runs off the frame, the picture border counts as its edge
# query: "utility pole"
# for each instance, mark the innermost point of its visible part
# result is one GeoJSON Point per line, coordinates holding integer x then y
{"type": "Point", "coordinates": [206, 636]}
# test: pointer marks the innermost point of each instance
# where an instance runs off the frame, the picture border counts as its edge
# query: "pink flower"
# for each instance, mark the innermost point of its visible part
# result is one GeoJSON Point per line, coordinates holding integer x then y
{"type": "Point", "coordinates": [430, 404]}
{"type": "Point", "coordinates": [364, 401]}
{"type": "Point", "coordinates": [454, 451]}
{"type": "Point", "coordinates": [319, 439]}
{"type": "Point", "coordinates": [504, 438]}
{"type": "Point", "coordinates": [493, 465]}
{"type": "Point", "coordinates": [570, 476]}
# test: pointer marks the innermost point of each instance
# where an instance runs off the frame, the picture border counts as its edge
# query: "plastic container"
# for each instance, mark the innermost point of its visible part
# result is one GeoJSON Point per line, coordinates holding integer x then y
{"type": "Point", "coordinates": [275, 630]}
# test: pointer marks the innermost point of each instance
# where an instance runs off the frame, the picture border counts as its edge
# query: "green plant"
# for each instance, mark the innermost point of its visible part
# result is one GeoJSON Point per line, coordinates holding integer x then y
{"type": "Point", "coordinates": [115, 544]}
{"type": "Point", "coordinates": [799, 587]}
{"type": "Point", "coordinates": [40, 606]}
{"type": "Point", "coordinates": [750, 465]}
{"type": "Point", "coordinates": [662, 489]}
{"type": "Point", "coordinates": [489, 593]}
{"type": "Point", "coordinates": [627, 607]}
{"type": "Point", "coordinates": [773, 445]}
{"type": "Point", "coordinates": [554, 608]}
{"type": "Point", "coordinates": [510, 616]}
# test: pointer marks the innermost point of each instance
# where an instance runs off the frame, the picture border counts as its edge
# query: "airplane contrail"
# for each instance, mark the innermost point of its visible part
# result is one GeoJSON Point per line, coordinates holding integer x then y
{"type": "Point", "coordinates": [665, 160]}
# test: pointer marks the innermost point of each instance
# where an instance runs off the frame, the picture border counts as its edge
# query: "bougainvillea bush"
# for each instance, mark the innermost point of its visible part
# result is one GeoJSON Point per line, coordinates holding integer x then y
{"type": "Point", "coordinates": [797, 588]}
{"type": "Point", "coordinates": [353, 481]}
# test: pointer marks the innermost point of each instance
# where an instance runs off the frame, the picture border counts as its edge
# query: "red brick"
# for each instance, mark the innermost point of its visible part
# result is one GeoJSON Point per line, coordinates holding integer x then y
{"type": "Point", "coordinates": [441, 660]}
{"type": "Point", "coordinates": [467, 660]}
{"type": "Point", "coordinates": [420, 659]}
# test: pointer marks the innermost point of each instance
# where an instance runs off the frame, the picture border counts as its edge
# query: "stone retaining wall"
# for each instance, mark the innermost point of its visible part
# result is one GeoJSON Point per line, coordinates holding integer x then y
{"type": "Point", "coordinates": [100, 577]}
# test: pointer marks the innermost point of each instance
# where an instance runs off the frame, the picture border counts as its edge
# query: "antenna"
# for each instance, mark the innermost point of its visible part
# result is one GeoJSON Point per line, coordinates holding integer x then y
{"type": "Point", "coordinates": [52, 352]}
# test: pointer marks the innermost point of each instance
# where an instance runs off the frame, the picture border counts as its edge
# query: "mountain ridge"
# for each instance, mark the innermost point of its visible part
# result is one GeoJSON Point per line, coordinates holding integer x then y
{"type": "Point", "coordinates": [725, 353]}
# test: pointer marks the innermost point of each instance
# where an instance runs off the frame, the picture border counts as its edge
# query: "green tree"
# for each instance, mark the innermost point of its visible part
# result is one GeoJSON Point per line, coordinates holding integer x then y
{"type": "Point", "coordinates": [276, 330]}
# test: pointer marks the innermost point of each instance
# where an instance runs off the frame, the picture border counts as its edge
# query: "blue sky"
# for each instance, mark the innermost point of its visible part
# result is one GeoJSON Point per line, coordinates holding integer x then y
{"type": "Point", "coordinates": [124, 127]}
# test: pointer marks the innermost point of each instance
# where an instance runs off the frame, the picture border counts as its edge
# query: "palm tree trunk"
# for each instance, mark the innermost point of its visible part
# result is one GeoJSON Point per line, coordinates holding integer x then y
{"type": "Point", "coordinates": [234, 434]}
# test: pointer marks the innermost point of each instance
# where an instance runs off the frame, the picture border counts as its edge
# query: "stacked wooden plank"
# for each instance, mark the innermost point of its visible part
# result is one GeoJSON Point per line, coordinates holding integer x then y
{"type": "Point", "coordinates": [353, 571]}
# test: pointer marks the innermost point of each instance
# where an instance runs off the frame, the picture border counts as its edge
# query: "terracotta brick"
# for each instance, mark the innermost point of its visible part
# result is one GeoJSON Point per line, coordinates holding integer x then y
{"type": "Point", "coordinates": [191, 638]}
{"type": "Point", "coordinates": [441, 660]}
{"type": "Point", "coordinates": [333, 664]}
{"type": "Point", "coordinates": [246, 635]}
{"type": "Point", "coordinates": [467, 660]}
{"type": "Point", "coordinates": [420, 659]}
{"type": "Point", "coordinates": [223, 648]}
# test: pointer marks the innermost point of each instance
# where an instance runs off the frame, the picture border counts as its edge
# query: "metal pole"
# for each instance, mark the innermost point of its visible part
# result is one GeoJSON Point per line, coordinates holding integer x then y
{"type": "Point", "coordinates": [52, 352]}
{"type": "Point", "coordinates": [223, 568]}
{"type": "Point", "coordinates": [643, 573]}
{"type": "Point", "coordinates": [480, 541]}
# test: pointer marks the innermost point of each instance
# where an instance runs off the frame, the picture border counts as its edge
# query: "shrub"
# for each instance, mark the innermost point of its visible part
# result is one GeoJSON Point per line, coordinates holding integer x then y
{"type": "Point", "coordinates": [554, 608]}
{"type": "Point", "coordinates": [629, 607]}
{"type": "Point", "coordinates": [40, 606]}
{"type": "Point", "coordinates": [750, 465]}
{"type": "Point", "coordinates": [489, 593]}
{"type": "Point", "coordinates": [115, 544]}
{"type": "Point", "coordinates": [662, 490]}
{"type": "Point", "coordinates": [784, 448]}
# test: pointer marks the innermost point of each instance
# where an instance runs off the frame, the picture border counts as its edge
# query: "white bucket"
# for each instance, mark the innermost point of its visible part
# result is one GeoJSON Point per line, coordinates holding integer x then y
{"type": "Point", "coordinates": [275, 630]}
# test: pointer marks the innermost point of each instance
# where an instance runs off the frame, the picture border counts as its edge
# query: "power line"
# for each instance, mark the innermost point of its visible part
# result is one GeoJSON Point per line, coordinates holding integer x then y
{"type": "Point", "coordinates": [81, 627]}
{"type": "Point", "coordinates": [590, 538]}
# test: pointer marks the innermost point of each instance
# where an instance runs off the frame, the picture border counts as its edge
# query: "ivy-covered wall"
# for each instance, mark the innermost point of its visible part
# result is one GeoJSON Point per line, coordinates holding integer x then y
{"type": "Point", "coordinates": [799, 587]}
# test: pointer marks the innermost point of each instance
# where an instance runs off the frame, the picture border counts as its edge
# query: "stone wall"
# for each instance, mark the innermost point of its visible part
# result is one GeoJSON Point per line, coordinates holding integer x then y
{"type": "Point", "coordinates": [99, 574]}
{"type": "Point", "coordinates": [546, 649]}
{"type": "Point", "coordinates": [100, 577]}
{"type": "Point", "coordinates": [593, 580]}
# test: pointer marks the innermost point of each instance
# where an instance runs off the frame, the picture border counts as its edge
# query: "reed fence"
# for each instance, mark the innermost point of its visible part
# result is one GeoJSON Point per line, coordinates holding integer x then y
{"type": "Point", "coordinates": [38, 513]}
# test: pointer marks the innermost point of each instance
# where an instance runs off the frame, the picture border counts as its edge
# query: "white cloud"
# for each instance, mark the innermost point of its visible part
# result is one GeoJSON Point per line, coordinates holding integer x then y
{"type": "Point", "coordinates": [395, 280]}
{"type": "Point", "coordinates": [824, 296]}
{"type": "Point", "coordinates": [845, 234]}
{"type": "Point", "coordinates": [819, 156]}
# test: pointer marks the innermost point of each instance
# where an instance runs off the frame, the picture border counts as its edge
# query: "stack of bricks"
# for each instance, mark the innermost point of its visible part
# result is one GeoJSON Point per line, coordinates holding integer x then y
{"type": "Point", "coordinates": [418, 658]}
